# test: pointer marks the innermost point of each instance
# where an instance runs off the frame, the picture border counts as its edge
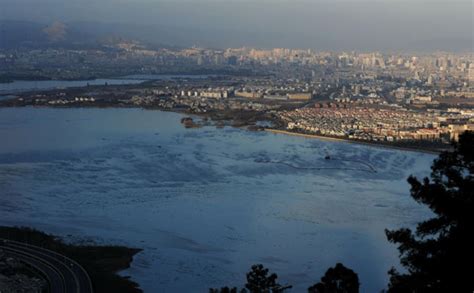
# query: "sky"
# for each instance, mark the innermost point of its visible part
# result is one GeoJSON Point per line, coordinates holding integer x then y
{"type": "Point", "coordinates": [316, 24]}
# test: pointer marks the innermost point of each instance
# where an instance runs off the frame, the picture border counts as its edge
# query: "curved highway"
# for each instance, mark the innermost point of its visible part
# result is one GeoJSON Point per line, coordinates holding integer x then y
{"type": "Point", "coordinates": [62, 273]}
{"type": "Point", "coordinates": [55, 280]}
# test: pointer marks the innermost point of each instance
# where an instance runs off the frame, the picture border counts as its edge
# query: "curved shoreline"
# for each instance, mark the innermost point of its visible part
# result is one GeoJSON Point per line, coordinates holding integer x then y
{"type": "Point", "coordinates": [276, 131]}
{"type": "Point", "coordinates": [335, 139]}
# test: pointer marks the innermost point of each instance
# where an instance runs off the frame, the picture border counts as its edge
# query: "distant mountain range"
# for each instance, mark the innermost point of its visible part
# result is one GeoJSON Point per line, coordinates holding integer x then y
{"type": "Point", "coordinates": [23, 34]}
{"type": "Point", "coordinates": [16, 34]}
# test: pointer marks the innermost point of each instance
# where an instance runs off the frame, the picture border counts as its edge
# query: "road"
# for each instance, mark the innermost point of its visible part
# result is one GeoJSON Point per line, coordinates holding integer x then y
{"type": "Point", "coordinates": [63, 274]}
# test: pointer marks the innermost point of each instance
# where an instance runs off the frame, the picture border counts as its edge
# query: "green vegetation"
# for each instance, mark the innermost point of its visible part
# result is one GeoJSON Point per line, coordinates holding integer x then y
{"type": "Point", "coordinates": [101, 262]}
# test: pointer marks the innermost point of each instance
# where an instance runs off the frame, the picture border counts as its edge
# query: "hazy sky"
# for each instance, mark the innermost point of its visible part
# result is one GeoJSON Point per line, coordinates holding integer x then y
{"type": "Point", "coordinates": [318, 24]}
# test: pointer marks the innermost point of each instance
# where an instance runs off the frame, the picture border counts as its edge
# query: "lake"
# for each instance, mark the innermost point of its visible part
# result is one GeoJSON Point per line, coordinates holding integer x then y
{"type": "Point", "coordinates": [19, 86]}
{"type": "Point", "coordinates": [205, 204]}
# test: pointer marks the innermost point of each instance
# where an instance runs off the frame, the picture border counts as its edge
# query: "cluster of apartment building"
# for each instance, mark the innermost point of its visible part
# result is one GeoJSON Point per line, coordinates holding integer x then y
{"type": "Point", "coordinates": [200, 104]}
{"type": "Point", "coordinates": [377, 124]}
{"type": "Point", "coordinates": [62, 101]}
{"type": "Point", "coordinates": [262, 93]}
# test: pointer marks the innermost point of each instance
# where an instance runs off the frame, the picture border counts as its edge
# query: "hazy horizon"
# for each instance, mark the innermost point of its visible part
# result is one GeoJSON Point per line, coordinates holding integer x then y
{"type": "Point", "coordinates": [323, 25]}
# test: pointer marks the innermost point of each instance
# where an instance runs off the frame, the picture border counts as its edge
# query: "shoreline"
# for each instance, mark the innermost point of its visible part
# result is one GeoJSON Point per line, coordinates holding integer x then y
{"type": "Point", "coordinates": [335, 139]}
{"type": "Point", "coordinates": [102, 263]}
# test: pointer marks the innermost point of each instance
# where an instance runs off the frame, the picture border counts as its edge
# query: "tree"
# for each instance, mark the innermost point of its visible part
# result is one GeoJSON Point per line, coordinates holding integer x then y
{"type": "Point", "coordinates": [258, 281]}
{"type": "Point", "coordinates": [337, 280]}
{"type": "Point", "coordinates": [438, 256]}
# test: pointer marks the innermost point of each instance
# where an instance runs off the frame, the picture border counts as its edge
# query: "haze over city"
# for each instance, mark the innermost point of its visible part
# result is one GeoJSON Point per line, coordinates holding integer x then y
{"type": "Point", "coordinates": [323, 25]}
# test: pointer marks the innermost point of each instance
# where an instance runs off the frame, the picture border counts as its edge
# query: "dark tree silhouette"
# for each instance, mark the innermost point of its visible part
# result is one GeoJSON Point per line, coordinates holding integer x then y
{"type": "Point", "coordinates": [337, 280]}
{"type": "Point", "coordinates": [438, 256]}
{"type": "Point", "coordinates": [259, 281]}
